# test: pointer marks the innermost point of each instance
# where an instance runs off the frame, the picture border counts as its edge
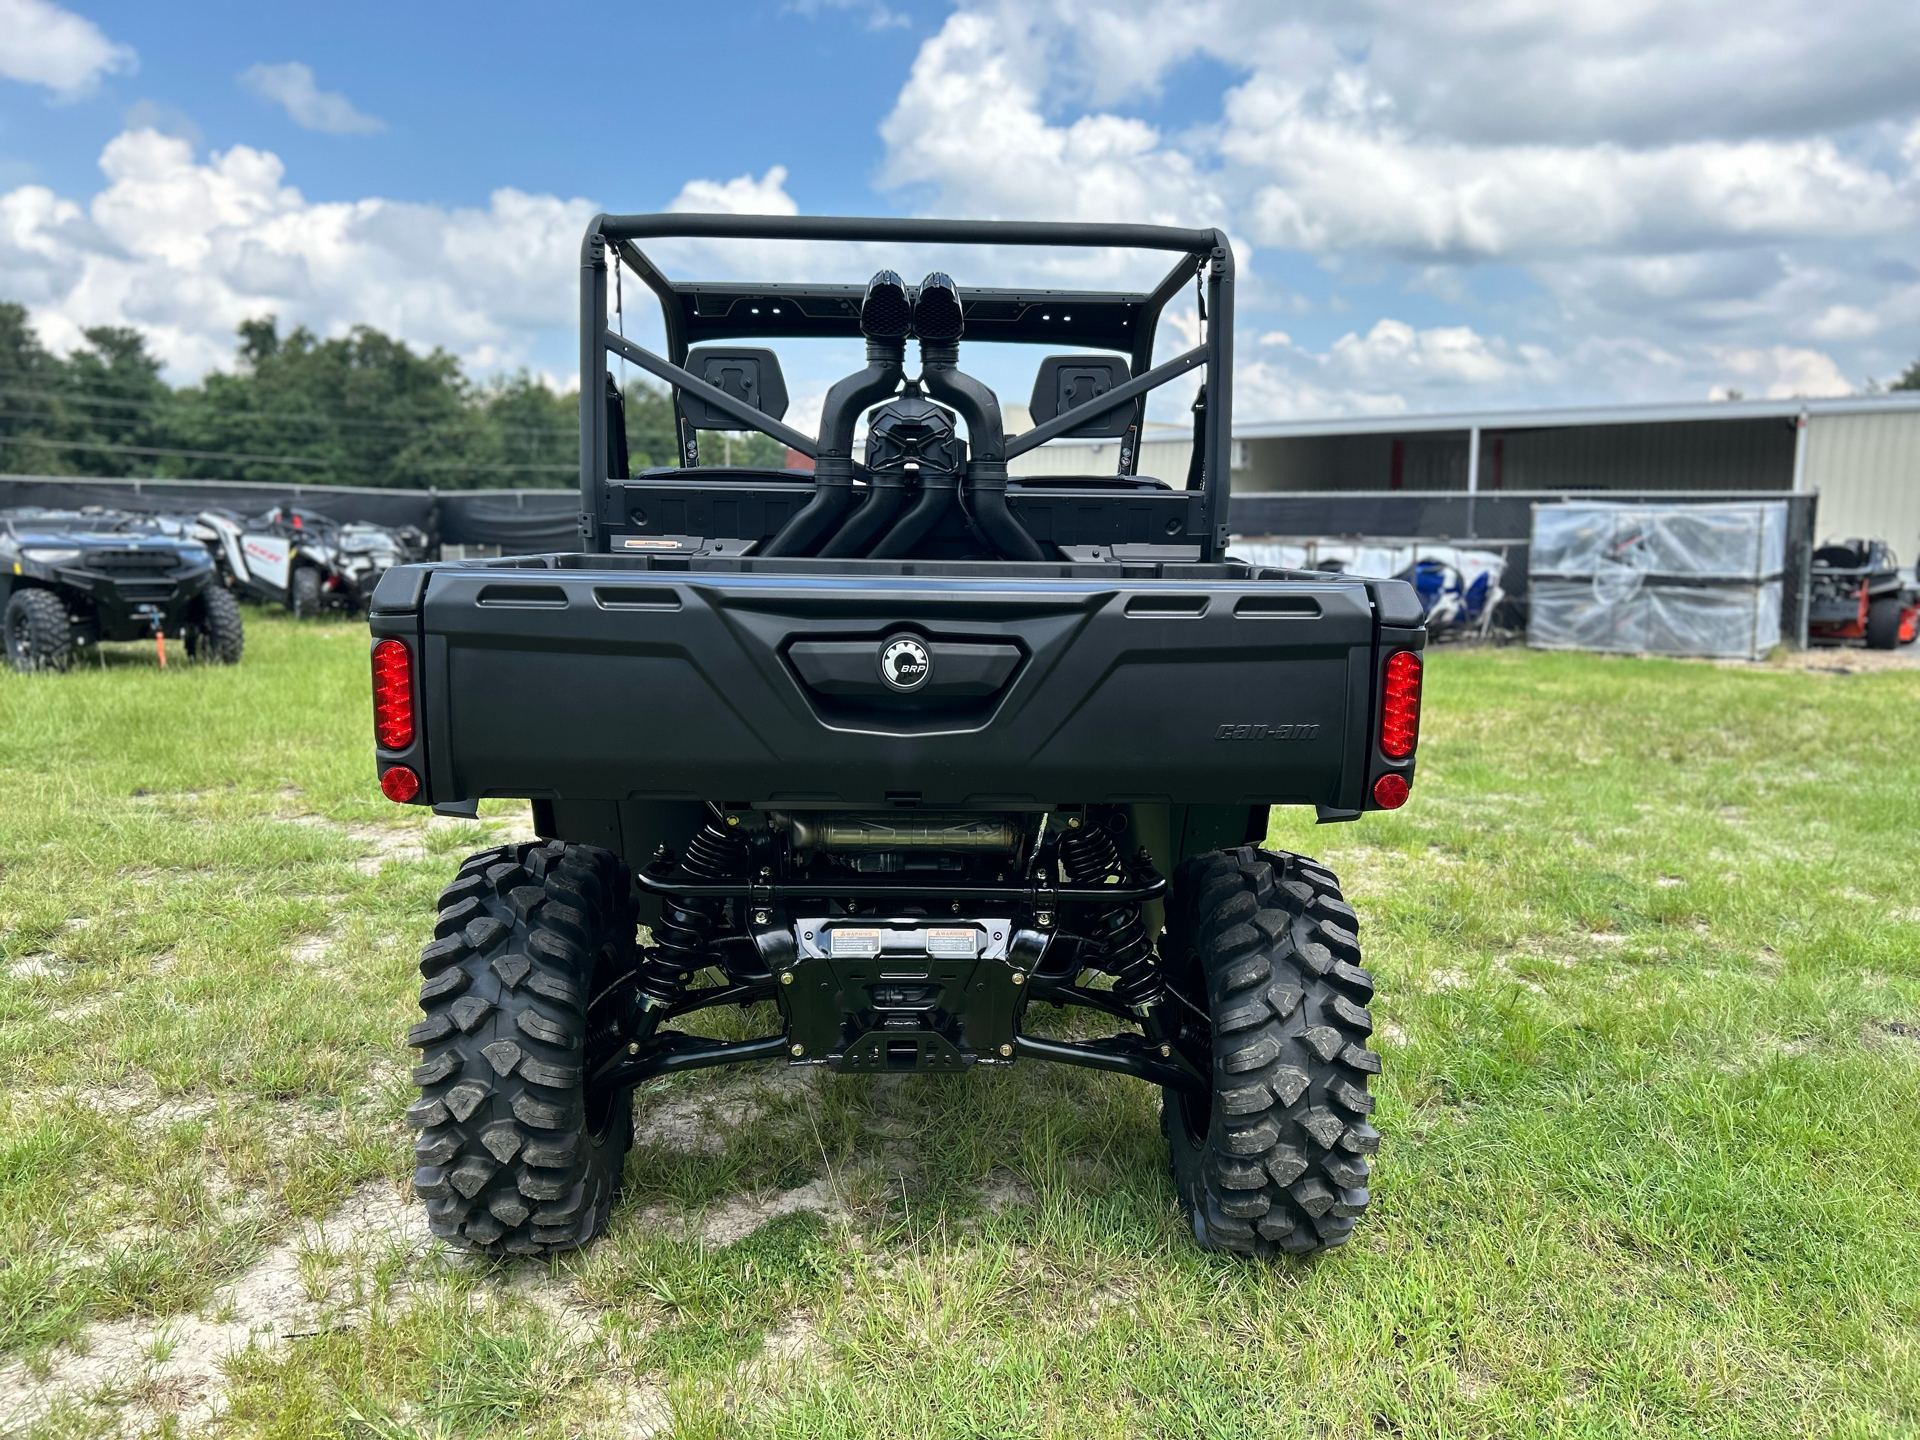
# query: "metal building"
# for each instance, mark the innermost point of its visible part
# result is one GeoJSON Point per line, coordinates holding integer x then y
{"type": "Point", "coordinates": [1861, 455]}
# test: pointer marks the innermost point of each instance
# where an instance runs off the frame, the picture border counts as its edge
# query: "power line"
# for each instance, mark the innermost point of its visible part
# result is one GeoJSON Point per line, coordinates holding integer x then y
{"type": "Point", "coordinates": [163, 450]}
{"type": "Point", "coordinates": [160, 450]}
{"type": "Point", "coordinates": [298, 416]}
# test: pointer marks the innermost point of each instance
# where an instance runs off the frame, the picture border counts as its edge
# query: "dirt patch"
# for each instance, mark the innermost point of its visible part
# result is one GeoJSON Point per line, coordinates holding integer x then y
{"type": "Point", "coordinates": [1005, 1190]}
{"type": "Point", "coordinates": [1834, 660]}
{"type": "Point", "coordinates": [148, 1371]}
{"type": "Point", "coordinates": [403, 844]}
{"type": "Point", "coordinates": [1904, 1033]}
{"type": "Point", "coordinates": [703, 1123]}
{"type": "Point", "coordinates": [39, 966]}
{"type": "Point", "coordinates": [642, 1413]}
{"type": "Point", "coordinates": [733, 1220]}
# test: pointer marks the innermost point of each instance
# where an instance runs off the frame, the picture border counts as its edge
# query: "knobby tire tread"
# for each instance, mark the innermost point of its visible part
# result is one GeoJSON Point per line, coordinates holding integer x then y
{"type": "Point", "coordinates": [48, 642]}
{"type": "Point", "coordinates": [507, 1161]}
{"type": "Point", "coordinates": [1265, 941]}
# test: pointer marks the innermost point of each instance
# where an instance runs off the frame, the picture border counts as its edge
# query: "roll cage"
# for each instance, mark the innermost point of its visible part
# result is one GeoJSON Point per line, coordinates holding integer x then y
{"type": "Point", "coordinates": [699, 311]}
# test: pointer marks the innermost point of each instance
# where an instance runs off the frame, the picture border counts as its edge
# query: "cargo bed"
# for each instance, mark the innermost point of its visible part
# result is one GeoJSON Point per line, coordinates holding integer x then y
{"type": "Point", "coordinates": [660, 677]}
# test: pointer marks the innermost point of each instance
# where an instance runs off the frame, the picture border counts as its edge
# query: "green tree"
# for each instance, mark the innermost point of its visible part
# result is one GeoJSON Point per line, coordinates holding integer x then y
{"type": "Point", "coordinates": [650, 439]}
{"type": "Point", "coordinates": [361, 410]}
{"type": "Point", "coordinates": [118, 403]}
{"type": "Point", "coordinates": [31, 386]}
{"type": "Point", "coordinates": [527, 436]}
{"type": "Point", "coordinates": [1910, 380]}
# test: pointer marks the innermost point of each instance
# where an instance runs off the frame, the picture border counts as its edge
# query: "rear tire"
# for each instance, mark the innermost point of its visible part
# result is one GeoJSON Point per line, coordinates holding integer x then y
{"type": "Point", "coordinates": [516, 1155]}
{"type": "Point", "coordinates": [216, 634]}
{"type": "Point", "coordinates": [1883, 623]}
{"type": "Point", "coordinates": [1274, 1159]}
{"type": "Point", "coordinates": [39, 631]}
{"type": "Point", "coordinates": [303, 593]}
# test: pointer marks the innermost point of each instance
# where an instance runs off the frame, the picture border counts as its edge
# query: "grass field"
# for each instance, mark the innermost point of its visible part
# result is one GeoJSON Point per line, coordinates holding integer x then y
{"type": "Point", "coordinates": [1648, 940]}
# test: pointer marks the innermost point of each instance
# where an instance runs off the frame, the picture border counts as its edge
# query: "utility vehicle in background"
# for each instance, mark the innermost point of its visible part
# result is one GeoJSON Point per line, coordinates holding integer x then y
{"type": "Point", "coordinates": [1858, 593]}
{"type": "Point", "coordinates": [70, 579]}
{"type": "Point", "coordinates": [907, 752]}
{"type": "Point", "coordinates": [303, 560]}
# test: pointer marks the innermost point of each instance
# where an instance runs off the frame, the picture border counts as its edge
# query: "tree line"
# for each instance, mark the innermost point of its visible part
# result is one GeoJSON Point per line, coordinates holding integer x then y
{"type": "Point", "coordinates": [361, 409]}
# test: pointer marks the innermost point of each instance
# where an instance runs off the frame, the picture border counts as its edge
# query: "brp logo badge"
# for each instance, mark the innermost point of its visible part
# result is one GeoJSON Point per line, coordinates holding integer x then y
{"type": "Point", "coordinates": [905, 663]}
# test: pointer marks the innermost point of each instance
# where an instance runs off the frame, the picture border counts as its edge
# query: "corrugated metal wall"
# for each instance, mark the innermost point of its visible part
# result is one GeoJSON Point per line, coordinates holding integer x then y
{"type": "Point", "coordinates": [1675, 455]}
{"type": "Point", "coordinates": [1867, 469]}
{"type": "Point", "coordinates": [1161, 459]}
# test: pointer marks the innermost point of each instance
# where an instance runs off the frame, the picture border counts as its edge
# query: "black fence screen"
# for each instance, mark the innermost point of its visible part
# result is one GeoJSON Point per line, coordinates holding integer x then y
{"type": "Point", "coordinates": [518, 521]}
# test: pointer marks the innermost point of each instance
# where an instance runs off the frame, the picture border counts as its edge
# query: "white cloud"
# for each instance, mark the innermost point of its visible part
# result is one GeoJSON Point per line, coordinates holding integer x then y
{"type": "Point", "coordinates": [1843, 322]}
{"type": "Point", "coordinates": [42, 44]}
{"type": "Point", "coordinates": [1393, 354]}
{"type": "Point", "coordinates": [1353, 178]}
{"type": "Point", "coordinates": [185, 249]}
{"type": "Point", "coordinates": [876, 14]}
{"type": "Point", "coordinates": [742, 195]}
{"type": "Point", "coordinates": [292, 87]}
{"type": "Point", "coordinates": [1779, 372]}
{"type": "Point", "coordinates": [1657, 195]}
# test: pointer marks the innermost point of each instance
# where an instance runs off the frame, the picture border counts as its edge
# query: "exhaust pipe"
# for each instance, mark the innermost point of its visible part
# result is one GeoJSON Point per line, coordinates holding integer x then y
{"type": "Point", "coordinates": [886, 494]}
{"type": "Point", "coordinates": [885, 318]}
{"type": "Point", "coordinates": [939, 321]}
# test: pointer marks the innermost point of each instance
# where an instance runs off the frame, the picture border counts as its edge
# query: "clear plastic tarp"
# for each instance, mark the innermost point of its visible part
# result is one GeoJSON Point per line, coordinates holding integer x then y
{"type": "Point", "coordinates": [1658, 579]}
{"type": "Point", "coordinates": [1734, 621]}
{"type": "Point", "coordinates": [1711, 542]}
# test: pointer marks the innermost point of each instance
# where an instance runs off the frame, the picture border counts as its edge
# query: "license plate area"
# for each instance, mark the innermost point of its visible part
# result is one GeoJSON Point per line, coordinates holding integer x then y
{"type": "Point", "coordinates": [872, 995]}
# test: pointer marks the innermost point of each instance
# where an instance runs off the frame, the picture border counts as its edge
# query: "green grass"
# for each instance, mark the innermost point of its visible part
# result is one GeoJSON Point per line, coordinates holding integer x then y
{"type": "Point", "coordinates": [1648, 940]}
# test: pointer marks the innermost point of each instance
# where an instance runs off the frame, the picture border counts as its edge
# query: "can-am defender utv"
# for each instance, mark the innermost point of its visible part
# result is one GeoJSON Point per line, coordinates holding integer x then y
{"type": "Point", "coordinates": [71, 578]}
{"type": "Point", "coordinates": [900, 747]}
{"type": "Point", "coordinates": [305, 561]}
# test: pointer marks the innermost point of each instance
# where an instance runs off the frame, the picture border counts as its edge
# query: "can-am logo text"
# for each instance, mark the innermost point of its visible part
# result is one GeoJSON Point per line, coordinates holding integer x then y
{"type": "Point", "coordinates": [1266, 732]}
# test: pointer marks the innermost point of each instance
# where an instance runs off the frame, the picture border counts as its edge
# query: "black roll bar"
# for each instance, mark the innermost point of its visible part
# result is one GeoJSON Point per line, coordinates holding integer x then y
{"type": "Point", "coordinates": [1205, 251]}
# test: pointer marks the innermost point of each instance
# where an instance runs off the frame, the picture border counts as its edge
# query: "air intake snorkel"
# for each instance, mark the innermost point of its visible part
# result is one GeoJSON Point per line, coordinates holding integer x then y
{"type": "Point", "coordinates": [885, 319]}
{"type": "Point", "coordinates": [939, 321]}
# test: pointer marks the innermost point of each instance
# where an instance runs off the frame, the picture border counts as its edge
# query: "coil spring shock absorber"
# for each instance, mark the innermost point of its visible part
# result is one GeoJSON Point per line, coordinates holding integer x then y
{"type": "Point", "coordinates": [1088, 855]}
{"type": "Point", "coordinates": [685, 932]}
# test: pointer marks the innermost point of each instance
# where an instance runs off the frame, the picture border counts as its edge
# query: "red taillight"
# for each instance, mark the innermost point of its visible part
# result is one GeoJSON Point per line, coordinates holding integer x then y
{"type": "Point", "coordinates": [1389, 791]}
{"type": "Point", "coordinates": [399, 784]}
{"type": "Point", "coordinates": [1400, 707]}
{"type": "Point", "coordinates": [393, 697]}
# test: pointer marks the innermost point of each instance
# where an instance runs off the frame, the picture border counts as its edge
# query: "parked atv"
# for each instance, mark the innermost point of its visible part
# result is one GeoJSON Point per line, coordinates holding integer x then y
{"type": "Point", "coordinates": [71, 579]}
{"type": "Point", "coordinates": [899, 748]}
{"type": "Point", "coordinates": [1858, 594]}
{"type": "Point", "coordinates": [303, 560]}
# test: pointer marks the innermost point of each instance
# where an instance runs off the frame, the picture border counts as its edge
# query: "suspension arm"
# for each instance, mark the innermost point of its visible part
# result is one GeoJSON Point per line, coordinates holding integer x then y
{"type": "Point", "coordinates": [674, 1050]}
{"type": "Point", "coordinates": [1122, 1054]}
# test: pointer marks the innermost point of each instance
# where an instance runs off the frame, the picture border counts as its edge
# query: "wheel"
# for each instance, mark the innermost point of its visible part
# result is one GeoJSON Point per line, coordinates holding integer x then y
{"type": "Point", "coordinates": [39, 631]}
{"type": "Point", "coordinates": [303, 593]}
{"type": "Point", "coordinates": [1883, 623]}
{"type": "Point", "coordinates": [516, 1155]}
{"type": "Point", "coordinates": [1274, 1157]}
{"type": "Point", "coordinates": [216, 633]}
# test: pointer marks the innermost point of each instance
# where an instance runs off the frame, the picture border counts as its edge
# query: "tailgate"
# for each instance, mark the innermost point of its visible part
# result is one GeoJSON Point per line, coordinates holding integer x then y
{"type": "Point", "coordinates": [769, 689]}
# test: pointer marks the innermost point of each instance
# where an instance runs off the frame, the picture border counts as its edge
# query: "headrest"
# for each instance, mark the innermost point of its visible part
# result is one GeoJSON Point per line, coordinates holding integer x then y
{"type": "Point", "coordinates": [1067, 382]}
{"type": "Point", "coordinates": [753, 375]}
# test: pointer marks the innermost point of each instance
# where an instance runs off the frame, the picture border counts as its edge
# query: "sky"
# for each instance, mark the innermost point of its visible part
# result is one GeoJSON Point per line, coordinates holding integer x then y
{"type": "Point", "coordinates": [1434, 207]}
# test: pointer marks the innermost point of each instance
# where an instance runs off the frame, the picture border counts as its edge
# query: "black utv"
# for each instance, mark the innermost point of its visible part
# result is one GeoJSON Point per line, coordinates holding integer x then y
{"type": "Point", "coordinates": [896, 749]}
{"type": "Point", "coordinates": [71, 579]}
